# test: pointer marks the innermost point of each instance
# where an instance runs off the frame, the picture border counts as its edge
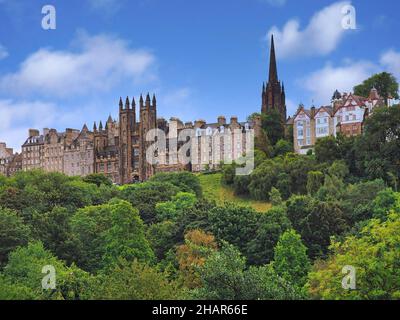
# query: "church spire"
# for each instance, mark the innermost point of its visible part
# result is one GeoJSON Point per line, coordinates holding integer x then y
{"type": "Point", "coordinates": [273, 71]}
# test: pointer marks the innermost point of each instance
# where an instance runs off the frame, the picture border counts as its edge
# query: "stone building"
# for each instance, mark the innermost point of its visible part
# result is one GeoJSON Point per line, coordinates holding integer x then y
{"type": "Point", "coordinates": [7, 160]}
{"type": "Point", "coordinates": [345, 115]}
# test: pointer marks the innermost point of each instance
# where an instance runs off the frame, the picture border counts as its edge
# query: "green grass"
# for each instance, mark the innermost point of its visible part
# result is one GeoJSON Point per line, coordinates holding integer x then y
{"type": "Point", "coordinates": [213, 189]}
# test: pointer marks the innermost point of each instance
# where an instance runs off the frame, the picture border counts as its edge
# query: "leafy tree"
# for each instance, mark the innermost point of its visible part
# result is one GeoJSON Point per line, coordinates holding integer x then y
{"type": "Point", "coordinates": [384, 82]}
{"type": "Point", "coordinates": [107, 232]}
{"type": "Point", "coordinates": [377, 150]}
{"type": "Point", "coordinates": [234, 224]}
{"type": "Point", "coordinates": [375, 256]}
{"type": "Point", "coordinates": [386, 201]}
{"type": "Point", "coordinates": [316, 222]}
{"type": "Point", "coordinates": [282, 147]}
{"type": "Point", "coordinates": [224, 277]}
{"type": "Point", "coordinates": [327, 149]}
{"type": "Point", "coordinates": [270, 226]}
{"type": "Point", "coordinates": [185, 181]}
{"type": "Point", "coordinates": [290, 258]}
{"type": "Point", "coordinates": [263, 178]}
{"type": "Point", "coordinates": [134, 281]}
{"type": "Point", "coordinates": [172, 210]}
{"type": "Point", "coordinates": [53, 230]}
{"type": "Point", "coordinates": [13, 233]}
{"type": "Point", "coordinates": [162, 237]}
{"type": "Point", "coordinates": [315, 180]}
{"type": "Point", "coordinates": [275, 197]}
{"type": "Point", "coordinates": [273, 126]}
{"type": "Point", "coordinates": [98, 179]}
{"type": "Point", "coordinates": [339, 169]}
{"type": "Point", "coordinates": [145, 196]}
{"type": "Point", "coordinates": [24, 270]}
{"type": "Point", "coordinates": [193, 254]}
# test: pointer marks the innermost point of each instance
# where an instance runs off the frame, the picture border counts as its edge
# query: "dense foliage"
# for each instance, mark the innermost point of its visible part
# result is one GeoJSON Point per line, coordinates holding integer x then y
{"type": "Point", "coordinates": [162, 239]}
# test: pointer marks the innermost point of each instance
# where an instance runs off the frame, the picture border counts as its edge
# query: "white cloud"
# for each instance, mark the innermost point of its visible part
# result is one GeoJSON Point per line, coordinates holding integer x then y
{"type": "Point", "coordinates": [100, 63]}
{"type": "Point", "coordinates": [320, 37]}
{"type": "Point", "coordinates": [322, 83]}
{"type": "Point", "coordinates": [3, 52]}
{"type": "Point", "coordinates": [391, 61]}
{"type": "Point", "coordinates": [15, 115]}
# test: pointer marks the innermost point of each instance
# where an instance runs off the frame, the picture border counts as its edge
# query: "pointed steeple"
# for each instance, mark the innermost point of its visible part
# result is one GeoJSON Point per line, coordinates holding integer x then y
{"type": "Point", "coordinates": [85, 128]}
{"type": "Point", "coordinates": [100, 126]}
{"type": "Point", "coordinates": [154, 100]}
{"type": "Point", "coordinates": [127, 103]}
{"type": "Point", "coordinates": [109, 120]}
{"type": "Point", "coordinates": [141, 101]}
{"type": "Point", "coordinates": [273, 71]}
{"type": "Point", "coordinates": [148, 97]}
{"type": "Point", "coordinates": [121, 105]}
{"type": "Point", "coordinates": [95, 127]}
{"type": "Point", "coordinates": [133, 103]}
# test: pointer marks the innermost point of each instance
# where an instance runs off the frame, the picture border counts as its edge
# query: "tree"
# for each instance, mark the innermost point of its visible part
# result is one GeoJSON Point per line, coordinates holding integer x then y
{"type": "Point", "coordinates": [273, 126]}
{"type": "Point", "coordinates": [275, 197]}
{"type": "Point", "coordinates": [53, 229]}
{"type": "Point", "coordinates": [315, 180]}
{"type": "Point", "coordinates": [384, 82]}
{"type": "Point", "coordinates": [24, 270]}
{"type": "Point", "coordinates": [162, 237]}
{"type": "Point", "coordinates": [172, 210]}
{"type": "Point", "coordinates": [282, 147]}
{"type": "Point", "coordinates": [327, 149]}
{"type": "Point", "coordinates": [193, 254]}
{"type": "Point", "coordinates": [98, 179]}
{"type": "Point", "coordinates": [105, 233]}
{"type": "Point", "coordinates": [224, 277]}
{"type": "Point", "coordinates": [145, 196]}
{"type": "Point", "coordinates": [134, 281]}
{"type": "Point", "coordinates": [290, 258]}
{"type": "Point", "coordinates": [270, 226]}
{"type": "Point", "coordinates": [13, 233]}
{"type": "Point", "coordinates": [185, 181]}
{"type": "Point", "coordinates": [375, 256]}
{"type": "Point", "coordinates": [316, 221]}
{"type": "Point", "coordinates": [234, 224]}
{"type": "Point", "coordinates": [377, 150]}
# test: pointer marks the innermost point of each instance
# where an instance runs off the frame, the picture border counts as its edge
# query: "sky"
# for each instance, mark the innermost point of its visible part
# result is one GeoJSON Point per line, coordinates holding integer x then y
{"type": "Point", "coordinates": [202, 59]}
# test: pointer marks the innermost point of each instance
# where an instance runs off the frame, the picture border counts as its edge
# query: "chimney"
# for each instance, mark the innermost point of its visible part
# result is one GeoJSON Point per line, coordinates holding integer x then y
{"type": "Point", "coordinates": [33, 132]}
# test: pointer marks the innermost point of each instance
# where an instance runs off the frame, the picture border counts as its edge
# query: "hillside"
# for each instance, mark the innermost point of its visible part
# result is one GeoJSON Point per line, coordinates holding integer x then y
{"type": "Point", "coordinates": [213, 189]}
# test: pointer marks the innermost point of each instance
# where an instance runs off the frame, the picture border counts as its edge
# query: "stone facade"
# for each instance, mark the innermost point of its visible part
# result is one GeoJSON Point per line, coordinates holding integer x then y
{"type": "Point", "coordinates": [9, 162]}
{"type": "Point", "coordinates": [345, 115]}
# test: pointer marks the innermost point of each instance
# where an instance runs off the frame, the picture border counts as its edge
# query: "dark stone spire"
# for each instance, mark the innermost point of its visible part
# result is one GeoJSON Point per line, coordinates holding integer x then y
{"type": "Point", "coordinates": [127, 103]}
{"type": "Point", "coordinates": [100, 126]}
{"type": "Point", "coordinates": [121, 104]}
{"type": "Point", "coordinates": [133, 102]}
{"type": "Point", "coordinates": [141, 101]}
{"type": "Point", "coordinates": [273, 71]}
{"type": "Point", "coordinates": [95, 127]}
{"type": "Point", "coordinates": [154, 100]}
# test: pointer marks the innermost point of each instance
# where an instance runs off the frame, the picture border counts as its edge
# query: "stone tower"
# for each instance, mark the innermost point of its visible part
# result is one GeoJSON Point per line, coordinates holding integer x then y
{"type": "Point", "coordinates": [127, 128]}
{"type": "Point", "coordinates": [273, 94]}
{"type": "Point", "coordinates": [148, 121]}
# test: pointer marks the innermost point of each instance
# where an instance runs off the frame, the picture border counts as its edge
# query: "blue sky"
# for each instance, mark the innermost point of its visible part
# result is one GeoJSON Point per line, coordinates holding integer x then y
{"type": "Point", "coordinates": [201, 58]}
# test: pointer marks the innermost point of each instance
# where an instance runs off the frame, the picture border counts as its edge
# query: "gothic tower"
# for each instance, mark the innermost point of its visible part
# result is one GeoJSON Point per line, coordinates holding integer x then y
{"type": "Point", "coordinates": [127, 126]}
{"type": "Point", "coordinates": [148, 121]}
{"type": "Point", "coordinates": [273, 94]}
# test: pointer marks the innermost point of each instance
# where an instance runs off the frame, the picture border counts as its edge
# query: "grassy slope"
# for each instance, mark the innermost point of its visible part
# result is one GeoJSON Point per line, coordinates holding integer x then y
{"type": "Point", "coordinates": [214, 190]}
